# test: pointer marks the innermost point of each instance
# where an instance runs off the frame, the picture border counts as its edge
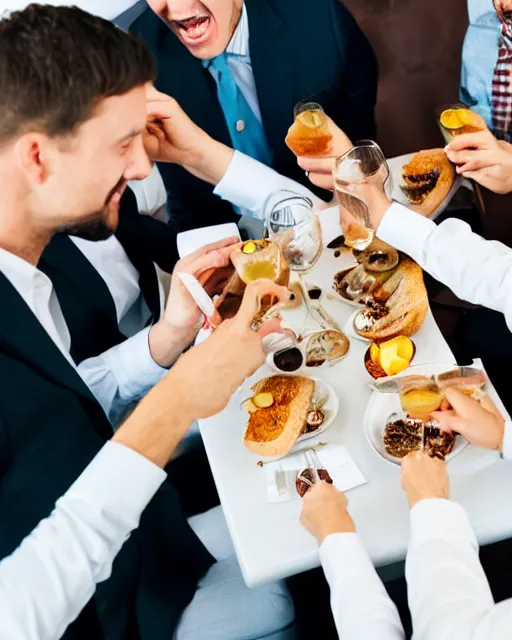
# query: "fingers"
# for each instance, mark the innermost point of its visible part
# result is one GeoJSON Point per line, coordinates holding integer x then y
{"type": "Point", "coordinates": [253, 294]}
{"type": "Point", "coordinates": [479, 140]}
{"type": "Point", "coordinates": [213, 246]}
{"type": "Point", "coordinates": [324, 181]}
{"type": "Point", "coordinates": [449, 421]}
{"type": "Point", "coordinates": [316, 165]}
{"type": "Point", "coordinates": [487, 404]}
{"type": "Point", "coordinates": [270, 326]}
{"type": "Point", "coordinates": [463, 405]}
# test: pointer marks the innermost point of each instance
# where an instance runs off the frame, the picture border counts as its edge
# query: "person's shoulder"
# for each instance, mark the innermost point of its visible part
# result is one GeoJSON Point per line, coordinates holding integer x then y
{"type": "Point", "coordinates": [327, 14]}
{"type": "Point", "coordinates": [147, 24]}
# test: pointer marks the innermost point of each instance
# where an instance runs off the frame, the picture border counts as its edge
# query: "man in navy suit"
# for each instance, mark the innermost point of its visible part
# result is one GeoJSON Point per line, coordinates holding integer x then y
{"type": "Point", "coordinates": [238, 69]}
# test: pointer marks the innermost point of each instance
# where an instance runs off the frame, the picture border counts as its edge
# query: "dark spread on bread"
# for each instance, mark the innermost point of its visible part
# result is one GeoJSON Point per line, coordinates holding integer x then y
{"type": "Point", "coordinates": [403, 436]}
{"type": "Point", "coordinates": [419, 185]}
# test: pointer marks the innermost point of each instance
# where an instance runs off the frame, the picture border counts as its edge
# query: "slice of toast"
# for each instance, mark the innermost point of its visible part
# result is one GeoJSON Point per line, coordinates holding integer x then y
{"type": "Point", "coordinates": [273, 431]}
{"type": "Point", "coordinates": [428, 177]}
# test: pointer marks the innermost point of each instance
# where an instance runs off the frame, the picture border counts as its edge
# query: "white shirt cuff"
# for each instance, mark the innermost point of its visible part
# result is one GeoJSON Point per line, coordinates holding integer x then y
{"type": "Point", "coordinates": [134, 368]}
{"type": "Point", "coordinates": [343, 554]}
{"type": "Point", "coordinates": [243, 181]}
{"type": "Point", "coordinates": [440, 519]}
{"type": "Point", "coordinates": [119, 480]}
{"type": "Point", "coordinates": [507, 441]}
{"type": "Point", "coordinates": [405, 230]}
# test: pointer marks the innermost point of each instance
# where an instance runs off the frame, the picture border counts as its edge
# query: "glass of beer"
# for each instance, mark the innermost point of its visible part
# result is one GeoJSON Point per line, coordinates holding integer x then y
{"type": "Point", "coordinates": [309, 135]}
{"type": "Point", "coordinates": [458, 119]}
{"type": "Point", "coordinates": [362, 167]}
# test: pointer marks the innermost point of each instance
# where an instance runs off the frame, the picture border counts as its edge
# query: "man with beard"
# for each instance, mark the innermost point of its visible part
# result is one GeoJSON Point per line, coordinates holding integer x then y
{"type": "Point", "coordinates": [238, 68]}
{"type": "Point", "coordinates": [72, 118]}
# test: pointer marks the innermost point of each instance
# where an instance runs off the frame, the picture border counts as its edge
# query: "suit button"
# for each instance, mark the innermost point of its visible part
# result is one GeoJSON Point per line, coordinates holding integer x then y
{"type": "Point", "coordinates": [240, 126]}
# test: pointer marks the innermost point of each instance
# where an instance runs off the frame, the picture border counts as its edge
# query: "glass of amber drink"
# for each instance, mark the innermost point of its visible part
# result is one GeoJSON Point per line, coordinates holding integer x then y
{"type": "Point", "coordinates": [419, 397]}
{"type": "Point", "coordinates": [458, 119]}
{"type": "Point", "coordinates": [309, 135]}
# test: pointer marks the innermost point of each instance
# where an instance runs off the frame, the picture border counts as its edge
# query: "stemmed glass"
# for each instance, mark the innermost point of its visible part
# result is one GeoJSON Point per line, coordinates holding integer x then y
{"type": "Point", "coordinates": [362, 167]}
{"type": "Point", "coordinates": [293, 224]}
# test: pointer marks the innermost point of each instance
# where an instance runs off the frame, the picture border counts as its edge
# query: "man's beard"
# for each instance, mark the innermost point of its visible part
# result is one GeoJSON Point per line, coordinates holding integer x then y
{"type": "Point", "coordinates": [97, 227]}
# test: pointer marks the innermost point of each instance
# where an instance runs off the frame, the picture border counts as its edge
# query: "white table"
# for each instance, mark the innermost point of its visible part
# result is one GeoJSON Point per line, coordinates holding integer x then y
{"type": "Point", "coordinates": [269, 541]}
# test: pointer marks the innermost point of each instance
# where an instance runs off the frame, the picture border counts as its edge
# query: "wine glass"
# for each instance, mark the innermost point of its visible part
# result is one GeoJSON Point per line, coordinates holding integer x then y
{"type": "Point", "coordinates": [293, 224]}
{"type": "Point", "coordinates": [458, 119]}
{"type": "Point", "coordinates": [364, 165]}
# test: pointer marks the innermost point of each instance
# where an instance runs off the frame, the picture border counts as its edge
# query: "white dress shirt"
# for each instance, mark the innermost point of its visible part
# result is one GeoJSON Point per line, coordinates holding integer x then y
{"type": "Point", "coordinates": [360, 604]}
{"type": "Point", "coordinates": [52, 575]}
{"type": "Point", "coordinates": [475, 269]}
{"type": "Point", "coordinates": [449, 596]}
{"type": "Point", "coordinates": [125, 372]}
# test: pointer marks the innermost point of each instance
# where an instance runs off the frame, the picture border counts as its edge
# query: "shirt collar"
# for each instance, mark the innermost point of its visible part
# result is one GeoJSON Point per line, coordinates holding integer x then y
{"type": "Point", "coordinates": [23, 276]}
{"type": "Point", "coordinates": [239, 43]}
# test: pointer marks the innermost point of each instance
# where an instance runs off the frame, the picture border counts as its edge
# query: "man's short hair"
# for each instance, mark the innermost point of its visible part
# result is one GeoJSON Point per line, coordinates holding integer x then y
{"type": "Point", "coordinates": [58, 63]}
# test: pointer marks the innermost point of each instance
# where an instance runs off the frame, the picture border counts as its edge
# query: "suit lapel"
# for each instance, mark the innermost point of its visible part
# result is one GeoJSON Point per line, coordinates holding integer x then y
{"type": "Point", "coordinates": [272, 69]}
{"type": "Point", "coordinates": [133, 243]}
{"type": "Point", "coordinates": [23, 337]}
{"type": "Point", "coordinates": [180, 74]}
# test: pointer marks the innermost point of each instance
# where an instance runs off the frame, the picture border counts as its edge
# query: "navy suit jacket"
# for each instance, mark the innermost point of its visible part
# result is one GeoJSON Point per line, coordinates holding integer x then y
{"type": "Point", "coordinates": [299, 49]}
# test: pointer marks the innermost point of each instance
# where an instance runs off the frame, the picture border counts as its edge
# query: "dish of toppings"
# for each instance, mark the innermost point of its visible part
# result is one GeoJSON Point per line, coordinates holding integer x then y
{"type": "Point", "coordinates": [284, 410]}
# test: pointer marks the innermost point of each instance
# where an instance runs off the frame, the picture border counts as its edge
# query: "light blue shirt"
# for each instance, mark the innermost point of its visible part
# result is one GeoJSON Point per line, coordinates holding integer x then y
{"type": "Point", "coordinates": [479, 57]}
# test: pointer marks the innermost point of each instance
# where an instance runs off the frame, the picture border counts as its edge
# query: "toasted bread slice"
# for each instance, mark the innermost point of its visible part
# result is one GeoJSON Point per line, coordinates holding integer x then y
{"type": "Point", "coordinates": [273, 431]}
{"type": "Point", "coordinates": [428, 178]}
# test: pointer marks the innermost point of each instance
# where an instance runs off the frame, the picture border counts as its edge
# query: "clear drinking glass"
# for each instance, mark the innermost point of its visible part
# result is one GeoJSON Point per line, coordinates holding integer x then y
{"type": "Point", "coordinates": [309, 134]}
{"type": "Point", "coordinates": [363, 165]}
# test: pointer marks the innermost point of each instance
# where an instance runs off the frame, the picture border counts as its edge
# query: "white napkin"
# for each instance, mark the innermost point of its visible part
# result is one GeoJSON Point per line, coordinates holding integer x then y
{"type": "Point", "coordinates": [190, 241]}
{"type": "Point", "coordinates": [334, 457]}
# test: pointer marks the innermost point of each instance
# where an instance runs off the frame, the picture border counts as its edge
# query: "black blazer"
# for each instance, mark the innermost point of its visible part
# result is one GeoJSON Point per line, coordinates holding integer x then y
{"type": "Point", "coordinates": [299, 49]}
{"type": "Point", "coordinates": [86, 302]}
{"type": "Point", "coordinates": [50, 429]}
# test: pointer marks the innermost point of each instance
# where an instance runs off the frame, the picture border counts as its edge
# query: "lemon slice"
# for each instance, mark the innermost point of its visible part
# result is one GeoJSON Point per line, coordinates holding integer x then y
{"type": "Point", "coordinates": [263, 400]}
{"type": "Point", "coordinates": [249, 247]}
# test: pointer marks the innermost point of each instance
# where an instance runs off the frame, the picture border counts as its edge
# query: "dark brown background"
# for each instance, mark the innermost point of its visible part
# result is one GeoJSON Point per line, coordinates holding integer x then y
{"type": "Point", "coordinates": [418, 45]}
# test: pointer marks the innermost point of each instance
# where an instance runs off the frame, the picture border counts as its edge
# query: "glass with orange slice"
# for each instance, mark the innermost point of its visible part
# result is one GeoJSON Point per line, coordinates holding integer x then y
{"type": "Point", "coordinates": [309, 135]}
{"type": "Point", "coordinates": [458, 119]}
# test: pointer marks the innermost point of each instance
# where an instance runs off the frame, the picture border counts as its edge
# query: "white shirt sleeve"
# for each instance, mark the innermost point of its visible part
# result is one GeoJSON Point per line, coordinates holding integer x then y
{"type": "Point", "coordinates": [360, 604]}
{"type": "Point", "coordinates": [52, 575]}
{"type": "Point", "coordinates": [449, 596]}
{"type": "Point", "coordinates": [507, 441]}
{"type": "Point", "coordinates": [123, 374]}
{"type": "Point", "coordinates": [253, 186]}
{"type": "Point", "coordinates": [476, 270]}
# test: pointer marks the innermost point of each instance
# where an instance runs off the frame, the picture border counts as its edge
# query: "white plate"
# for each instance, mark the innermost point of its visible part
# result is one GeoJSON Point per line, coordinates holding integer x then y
{"type": "Point", "coordinates": [350, 331]}
{"type": "Point", "coordinates": [330, 408]}
{"type": "Point", "coordinates": [382, 405]}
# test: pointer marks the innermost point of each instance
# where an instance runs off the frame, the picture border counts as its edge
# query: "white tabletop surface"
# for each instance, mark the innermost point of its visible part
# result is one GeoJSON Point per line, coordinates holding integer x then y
{"type": "Point", "coordinates": [269, 541]}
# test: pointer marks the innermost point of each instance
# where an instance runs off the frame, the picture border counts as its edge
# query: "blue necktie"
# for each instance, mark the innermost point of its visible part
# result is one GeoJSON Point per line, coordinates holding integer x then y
{"type": "Point", "coordinates": [247, 133]}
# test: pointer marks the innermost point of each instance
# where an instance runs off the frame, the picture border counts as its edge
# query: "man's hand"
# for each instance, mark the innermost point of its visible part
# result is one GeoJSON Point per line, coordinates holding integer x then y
{"type": "Point", "coordinates": [324, 511]}
{"type": "Point", "coordinates": [479, 422]}
{"type": "Point", "coordinates": [181, 312]}
{"type": "Point", "coordinates": [424, 477]}
{"type": "Point", "coordinates": [207, 376]}
{"type": "Point", "coordinates": [182, 318]}
{"type": "Point", "coordinates": [484, 159]}
{"type": "Point", "coordinates": [171, 136]}
{"type": "Point", "coordinates": [202, 381]}
{"type": "Point", "coordinates": [320, 167]}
